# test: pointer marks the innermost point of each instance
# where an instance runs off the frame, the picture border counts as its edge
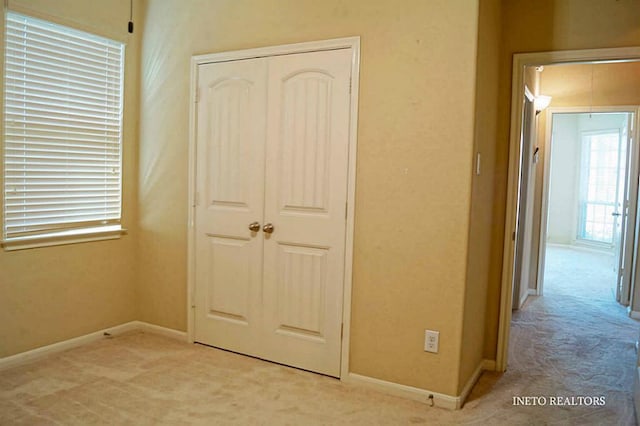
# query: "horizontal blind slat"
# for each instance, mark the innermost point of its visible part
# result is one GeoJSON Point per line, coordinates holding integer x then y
{"type": "Point", "coordinates": [62, 128]}
{"type": "Point", "coordinates": [24, 107]}
{"type": "Point", "coordinates": [60, 142]}
{"type": "Point", "coordinates": [37, 35]}
{"type": "Point", "coordinates": [66, 121]}
{"type": "Point", "coordinates": [16, 92]}
{"type": "Point", "coordinates": [17, 59]}
{"type": "Point", "coordinates": [49, 99]}
{"type": "Point", "coordinates": [46, 72]}
{"type": "Point", "coordinates": [77, 89]}
{"type": "Point", "coordinates": [54, 49]}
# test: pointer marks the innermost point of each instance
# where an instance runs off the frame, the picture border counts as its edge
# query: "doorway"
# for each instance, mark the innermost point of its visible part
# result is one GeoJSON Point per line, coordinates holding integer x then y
{"type": "Point", "coordinates": [587, 196]}
{"type": "Point", "coordinates": [522, 63]}
{"type": "Point", "coordinates": [271, 205]}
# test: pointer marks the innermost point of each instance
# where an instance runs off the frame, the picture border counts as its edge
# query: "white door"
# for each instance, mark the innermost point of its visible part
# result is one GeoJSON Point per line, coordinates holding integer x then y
{"type": "Point", "coordinates": [306, 195]}
{"type": "Point", "coordinates": [230, 191]}
{"type": "Point", "coordinates": [626, 207]}
{"type": "Point", "coordinates": [522, 265]}
{"type": "Point", "coordinates": [272, 149]}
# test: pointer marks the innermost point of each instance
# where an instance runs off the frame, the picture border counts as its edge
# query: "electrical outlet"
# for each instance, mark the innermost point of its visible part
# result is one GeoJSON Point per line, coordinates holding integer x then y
{"type": "Point", "coordinates": [431, 341]}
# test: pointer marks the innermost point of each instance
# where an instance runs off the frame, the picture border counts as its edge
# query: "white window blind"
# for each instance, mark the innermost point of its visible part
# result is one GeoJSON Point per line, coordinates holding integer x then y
{"type": "Point", "coordinates": [62, 128]}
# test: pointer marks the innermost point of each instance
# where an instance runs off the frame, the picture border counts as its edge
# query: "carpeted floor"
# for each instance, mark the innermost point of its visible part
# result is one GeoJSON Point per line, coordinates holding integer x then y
{"type": "Point", "coordinates": [562, 344]}
{"type": "Point", "coordinates": [576, 339]}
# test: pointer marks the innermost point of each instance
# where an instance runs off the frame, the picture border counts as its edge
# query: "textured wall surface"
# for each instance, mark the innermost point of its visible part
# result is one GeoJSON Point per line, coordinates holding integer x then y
{"type": "Point", "coordinates": [415, 144]}
{"type": "Point", "coordinates": [481, 214]}
{"type": "Point", "coordinates": [56, 293]}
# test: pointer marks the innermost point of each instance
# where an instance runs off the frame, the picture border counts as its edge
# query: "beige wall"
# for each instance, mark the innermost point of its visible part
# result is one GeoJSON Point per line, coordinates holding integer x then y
{"type": "Point", "coordinates": [542, 26]}
{"type": "Point", "coordinates": [415, 145]}
{"type": "Point", "coordinates": [482, 189]}
{"type": "Point", "coordinates": [56, 293]}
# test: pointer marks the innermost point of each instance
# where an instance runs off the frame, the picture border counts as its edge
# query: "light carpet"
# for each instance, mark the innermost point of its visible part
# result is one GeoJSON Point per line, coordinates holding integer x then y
{"type": "Point", "coordinates": [562, 344]}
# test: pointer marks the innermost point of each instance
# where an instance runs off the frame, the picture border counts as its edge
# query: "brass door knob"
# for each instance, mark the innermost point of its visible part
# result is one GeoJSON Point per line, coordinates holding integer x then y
{"type": "Point", "coordinates": [268, 228]}
{"type": "Point", "coordinates": [254, 226]}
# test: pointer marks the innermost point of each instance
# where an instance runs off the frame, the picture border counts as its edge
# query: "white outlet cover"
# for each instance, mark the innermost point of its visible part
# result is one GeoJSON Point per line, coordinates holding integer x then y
{"type": "Point", "coordinates": [431, 341]}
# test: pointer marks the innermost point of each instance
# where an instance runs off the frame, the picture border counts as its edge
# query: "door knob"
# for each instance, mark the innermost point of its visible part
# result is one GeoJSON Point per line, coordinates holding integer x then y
{"type": "Point", "coordinates": [254, 226]}
{"type": "Point", "coordinates": [615, 214]}
{"type": "Point", "coordinates": [268, 228]}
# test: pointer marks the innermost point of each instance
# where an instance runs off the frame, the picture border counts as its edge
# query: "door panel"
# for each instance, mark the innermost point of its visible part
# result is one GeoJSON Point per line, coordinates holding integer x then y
{"type": "Point", "coordinates": [301, 286]}
{"type": "Point", "coordinates": [228, 260]}
{"type": "Point", "coordinates": [304, 142]}
{"type": "Point", "coordinates": [305, 200]}
{"type": "Point", "coordinates": [230, 188]}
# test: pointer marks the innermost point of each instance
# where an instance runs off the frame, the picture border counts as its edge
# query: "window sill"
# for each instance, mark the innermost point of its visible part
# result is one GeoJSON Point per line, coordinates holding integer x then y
{"type": "Point", "coordinates": [98, 233]}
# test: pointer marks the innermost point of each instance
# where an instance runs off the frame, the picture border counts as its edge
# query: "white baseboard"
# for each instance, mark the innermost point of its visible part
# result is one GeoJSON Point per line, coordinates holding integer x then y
{"type": "Point", "coordinates": [533, 292]}
{"type": "Point", "coordinates": [24, 357]}
{"type": "Point", "coordinates": [489, 364]}
{"type": "Point", "coordinates": [466, 390]}
{"type": "Point", "coordinates": [404, 391]}
{"type": "Point", "coordinates": [635, 315]}
{"type": "Point", "coordinates": [422, 395]}
{"type": "Point", "coordinates": [164, 331]}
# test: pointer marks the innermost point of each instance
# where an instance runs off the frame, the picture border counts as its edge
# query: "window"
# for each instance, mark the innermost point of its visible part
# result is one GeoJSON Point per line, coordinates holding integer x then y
{"type": "Point", "coordinates": [601, 176]}
{"type": "Point", "coordinates": [62, 134]}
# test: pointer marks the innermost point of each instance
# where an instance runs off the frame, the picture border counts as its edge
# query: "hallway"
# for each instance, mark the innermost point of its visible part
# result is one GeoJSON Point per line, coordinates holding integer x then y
{"type": "Point", "coordinates": [579, 272]}
{"type": "Point", "coordinates": [576, 340]}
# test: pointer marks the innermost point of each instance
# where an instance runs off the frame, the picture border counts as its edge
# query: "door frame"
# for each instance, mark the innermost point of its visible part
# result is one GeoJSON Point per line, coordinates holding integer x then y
{"type": "Point", "coordinates": [546, 180]}
{"type": "Point", "coordinates": [520, 62]}
{"type": "Point", "coordinates": [352, 43]}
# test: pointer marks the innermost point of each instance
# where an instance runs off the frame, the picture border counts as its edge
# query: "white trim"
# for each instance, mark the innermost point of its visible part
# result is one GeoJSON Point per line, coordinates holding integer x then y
{"type": "Point", "coordinates": [54, 348]}
{"type": "Point", "coordinates": [404, 391]}
{"type": "Point", "coordinates": [191, 225]}
{"type": "Point", "coordinates": [524, 297]}
{"type": "Point", "coordinates": [163, 331]}
{"type": "Point", "coordinates": [470, 384]}
{"type": "Point", "coordinates": [532, 292]}
{"type": "Point", "coordinates": [634, 315]}
{"type": "Point", "coordinates": [520, 61]}
{"type": "Point", "coordinates": [284, 49]}
{"type": "Point", "coordinates": [489, 364]}
{"type": "Point", "coordinates": [352, 43]}
{"type": "Point", "coordinates": [580, 246]}
{"type": "Point", "coordinates": [83, 235]}
{"type": "Point", "coordinates": [421, 395]}
{"type": "Point", "coordinates": [351, 207]}
{"type": "Point", "coordinates": [530, 96]}
{"type": "Point", "coordinates": [34, 354]}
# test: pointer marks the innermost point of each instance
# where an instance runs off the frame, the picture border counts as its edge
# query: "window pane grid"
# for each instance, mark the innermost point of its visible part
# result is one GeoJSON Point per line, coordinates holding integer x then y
{"type": "Point", "coordinates": [601, 166]}
{"type": "Point", "coordinates": [62, 128]}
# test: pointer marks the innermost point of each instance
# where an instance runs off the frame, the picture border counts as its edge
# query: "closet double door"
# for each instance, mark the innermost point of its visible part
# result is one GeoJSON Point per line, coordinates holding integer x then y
{"type": "Point", "coordinates": [271, 190]}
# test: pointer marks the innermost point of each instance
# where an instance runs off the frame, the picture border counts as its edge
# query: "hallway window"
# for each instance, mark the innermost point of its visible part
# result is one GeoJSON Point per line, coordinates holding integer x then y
{"type": "Point", "coordinates": [62, 133]}
{"type": "Point", "coordinates": [600, 177]}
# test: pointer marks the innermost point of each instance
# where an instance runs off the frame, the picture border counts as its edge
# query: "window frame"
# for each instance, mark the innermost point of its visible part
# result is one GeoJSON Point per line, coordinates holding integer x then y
{"type": "Point", "coordinates": [107, 231]}
{"type": "Point", "coordinates": [583, 185]}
